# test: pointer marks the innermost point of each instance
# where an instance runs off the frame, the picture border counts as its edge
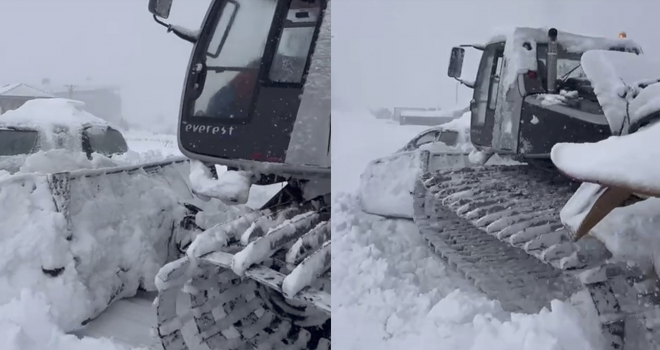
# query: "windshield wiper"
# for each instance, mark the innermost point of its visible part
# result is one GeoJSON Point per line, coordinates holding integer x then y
{"type": "Point", "coordinates": [565, 76]}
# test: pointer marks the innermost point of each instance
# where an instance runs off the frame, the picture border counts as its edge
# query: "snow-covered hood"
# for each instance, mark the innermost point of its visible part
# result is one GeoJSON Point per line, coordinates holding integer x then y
{"type": "Point", "coordinates": [55, 161]}
{"type": "Point", "coordinates": [12, 164]}
{"type": "Point", "coordinates": [620, 82]}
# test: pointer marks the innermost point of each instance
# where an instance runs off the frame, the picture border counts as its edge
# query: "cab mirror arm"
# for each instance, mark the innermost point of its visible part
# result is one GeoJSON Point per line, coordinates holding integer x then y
{"type": "Point", "coordinates": [181, 32]}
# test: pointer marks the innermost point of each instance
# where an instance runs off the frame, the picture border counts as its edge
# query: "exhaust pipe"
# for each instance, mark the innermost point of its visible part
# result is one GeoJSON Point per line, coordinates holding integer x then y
{"type": "Point", "coordinates": [551, 61]}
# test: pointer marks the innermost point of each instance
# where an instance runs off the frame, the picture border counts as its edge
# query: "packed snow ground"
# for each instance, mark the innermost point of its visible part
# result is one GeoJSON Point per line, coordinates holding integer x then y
{"type": "Point", "coordinates": [391, 292]}
{"type": "Point", "coordinates": [37, 311]}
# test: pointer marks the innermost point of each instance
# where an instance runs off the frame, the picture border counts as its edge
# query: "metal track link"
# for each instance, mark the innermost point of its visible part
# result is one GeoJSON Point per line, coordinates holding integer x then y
{"type": "Point", "coordinates": [499, 226]}
{"type": "Point", "coordinates": [268, 289]}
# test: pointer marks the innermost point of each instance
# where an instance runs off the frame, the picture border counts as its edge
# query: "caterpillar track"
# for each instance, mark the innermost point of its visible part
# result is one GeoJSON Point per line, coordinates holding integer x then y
{"type": "Point", "coordinates": [499, 226]}
{"type": "Point", "coordinates": [268, 288]}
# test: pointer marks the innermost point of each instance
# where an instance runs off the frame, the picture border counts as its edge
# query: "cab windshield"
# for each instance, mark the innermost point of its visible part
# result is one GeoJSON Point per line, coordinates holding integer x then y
{"type": "Point", "coordinates": [569, 65]}
{"type": "Point", "coordinates": [235, 49]}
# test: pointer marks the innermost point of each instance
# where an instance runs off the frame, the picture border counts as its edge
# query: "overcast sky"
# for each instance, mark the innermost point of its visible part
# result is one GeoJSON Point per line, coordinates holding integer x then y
{"type": "Point", "coordinates": [395, 52]}
{"type": "Point", "coordinates": [384, 52]}
{"type": "Point", "coordinates": [110, 41]}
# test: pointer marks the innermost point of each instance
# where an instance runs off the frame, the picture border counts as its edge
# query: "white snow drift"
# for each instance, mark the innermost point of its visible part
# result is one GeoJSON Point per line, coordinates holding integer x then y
{"type": "Point", "coordinates": [71, 245]}
{"type": "Point", "coordinates": [392, 292]}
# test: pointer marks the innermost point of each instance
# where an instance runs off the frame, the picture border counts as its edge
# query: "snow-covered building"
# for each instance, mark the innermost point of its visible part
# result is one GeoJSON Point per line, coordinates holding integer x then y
{"type": "Point", "coordinates": [13, 96]}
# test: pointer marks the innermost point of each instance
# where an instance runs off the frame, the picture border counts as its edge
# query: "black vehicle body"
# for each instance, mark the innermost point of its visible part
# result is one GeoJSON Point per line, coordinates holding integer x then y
{"type": "Point", "coordinates": [257, 98]}
{"type": "Point", "coordinates": [516, 111]}
{"type": "Point", "coordinates": [278, 124]}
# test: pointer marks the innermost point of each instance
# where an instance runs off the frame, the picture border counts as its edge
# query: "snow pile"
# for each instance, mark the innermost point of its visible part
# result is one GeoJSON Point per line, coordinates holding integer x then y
{"type": "Point", "coordinates": [617, 79]}
{"type": "Point", "coordinates": [629, 160]}
{"type": "Point", "coordinates": [630, 232]}
{"type": "Point", "coordinates": [32, 237]}
{"type": "Point", "coordinates": [621, 82]}
{"type": "Point", "coordinates": [387, 184]}
{"type": "Point", "coordinates": [25, 324]}
{"type": "Point", "coordinates": [60, 160]}
{"type": "Point", "coordinates": [135, 158]}
{"type": "Point", "coordinates": [12, 164]}
{"type": "Point", "coordinates": [553, 99]}
{"type": "Point", "coordinates": [156, 146]}
{"type": "Point", "coordinates": [113, 240]}
{"type": "Point", "coordinates": [230, 187]}
{"type": "Point", "coordinates": [391, 292]}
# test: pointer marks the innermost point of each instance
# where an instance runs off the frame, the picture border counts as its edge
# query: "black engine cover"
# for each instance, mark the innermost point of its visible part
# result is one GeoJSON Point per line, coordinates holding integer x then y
{"type": "Point", "coordinates": [543, 126]}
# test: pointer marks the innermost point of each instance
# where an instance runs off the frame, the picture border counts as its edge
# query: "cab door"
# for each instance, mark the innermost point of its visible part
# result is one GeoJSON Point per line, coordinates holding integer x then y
{"type": "Point", "coordinates": [486, 90]}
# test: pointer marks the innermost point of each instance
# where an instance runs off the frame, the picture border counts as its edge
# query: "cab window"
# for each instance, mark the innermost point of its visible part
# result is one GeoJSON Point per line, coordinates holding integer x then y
{"type": "Point", "coordinates": [106, 141]}
{"type": "Point", "coordinates": [448, 137]}
{"type": "Point", "coordinates": [426, 138]}
{"type": "Point", "coordinates": [233, 58]}
{"type": "Point", "coordinates": [16, 142]}
{"type": "Point", "coordinates": [294, 46]}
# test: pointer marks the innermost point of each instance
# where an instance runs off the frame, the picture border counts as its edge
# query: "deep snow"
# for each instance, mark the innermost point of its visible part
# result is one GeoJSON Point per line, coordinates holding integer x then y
{"type": "Point", "coordinates": [391, 292]}
{"type": "Point", "coordinates": [120, 226]}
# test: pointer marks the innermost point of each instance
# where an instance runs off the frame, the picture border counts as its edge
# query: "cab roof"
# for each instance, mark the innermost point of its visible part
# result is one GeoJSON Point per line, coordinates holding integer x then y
{"type": "Point", "coordinates": [569, 41]}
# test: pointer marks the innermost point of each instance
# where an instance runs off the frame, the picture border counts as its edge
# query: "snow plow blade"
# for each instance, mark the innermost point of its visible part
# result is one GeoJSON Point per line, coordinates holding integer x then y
{"type": "Point", "coordinates": [134, 209]}
{"type": "Point", "coordinates": [261, 280]}
{"type": "Point", "coordinates": [500, 227]}
{"type": "Point", "coordinates": [390, 180]}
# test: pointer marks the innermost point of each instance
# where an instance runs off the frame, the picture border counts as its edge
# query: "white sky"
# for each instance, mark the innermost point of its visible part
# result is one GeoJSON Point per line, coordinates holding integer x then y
{"type": "Point", "coordinates": [111, 41]}
{"type": "Point", "coordinates": [395, 52]}
{"type": "Point", "coordinates": [385, 52]}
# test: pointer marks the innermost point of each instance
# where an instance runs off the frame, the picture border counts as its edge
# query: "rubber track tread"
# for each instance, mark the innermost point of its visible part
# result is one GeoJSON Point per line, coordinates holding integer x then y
{"type": "Point", "coordinates": [470, 216]}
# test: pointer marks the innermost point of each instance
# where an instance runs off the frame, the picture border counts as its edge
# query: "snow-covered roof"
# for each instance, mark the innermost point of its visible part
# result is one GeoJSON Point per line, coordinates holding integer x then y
{"type": "Point", "coordinates": [520, 60]}
{"type": "Point", "coordinates": [569, 41]}
{"type": "Point", "coordinates": [47, 114]}
{"type": "Point", "coordinates": [22, 90]}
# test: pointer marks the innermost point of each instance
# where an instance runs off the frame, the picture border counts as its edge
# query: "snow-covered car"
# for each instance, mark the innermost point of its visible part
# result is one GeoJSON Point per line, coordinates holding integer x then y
{"type": "Point", "coordinates": [54, 124]}
{"type": "Point", "coordinates": [447, 136]}
{"type": "Point", "coordinates": [386, 183]}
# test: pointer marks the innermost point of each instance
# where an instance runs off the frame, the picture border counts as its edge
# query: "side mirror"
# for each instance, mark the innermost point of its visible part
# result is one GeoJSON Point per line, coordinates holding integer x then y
{"type": "Point", "coordinates": [456, 62]}
{"type": "Point", "coordinates": [160, 8]}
